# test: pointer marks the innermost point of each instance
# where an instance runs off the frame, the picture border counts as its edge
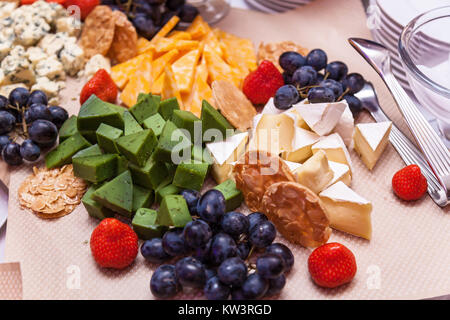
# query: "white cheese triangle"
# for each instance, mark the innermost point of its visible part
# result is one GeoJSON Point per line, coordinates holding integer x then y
{"type": "Point", "coordinates": [270, 108]}
{"type": "Point", "coordinates": [374, 132]}
{"type": "Point", "coordinates": [223, 151]}
{"type": "Point", "coordinates": [341, 172]}
{"type": "Point", "coordinates": [321, 117]}
{"type": "Point", "coordinates": [293, 166]}
{"type": "Point", "coordinates": [341, 193]}
{"type": "Point", "coordinates": [345, 126]}
{"type": "Point", "coordinates": [334, 147]}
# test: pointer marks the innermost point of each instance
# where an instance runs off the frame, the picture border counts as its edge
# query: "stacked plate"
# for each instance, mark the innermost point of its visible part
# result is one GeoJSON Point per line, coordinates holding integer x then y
{"type": "Point", "coordinates": [275, 6]}
{"type": "Point", "coordinates": [389, 21]}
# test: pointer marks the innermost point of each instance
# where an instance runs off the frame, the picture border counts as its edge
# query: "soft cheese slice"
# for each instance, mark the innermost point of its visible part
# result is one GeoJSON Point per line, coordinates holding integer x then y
{"type": "Point", "coordinates": [321, 117]}
{"type": "Point", "coordinates": [301, 145]}
{"type": "Point", "coordinates": [341, 172]}
{"type": "Point", "coordinates": [225, 154]}
{"type": "Point", "coordinates": [293, 166]}
{"type": "Point", "coordinates": [274, 133]}
{"type": "Point", "coordinates": [345, 126]}
{"type": "Point", "coordinates": [270, 108]}
{"type": "Point", "coordinates": [299, 121]}
{"type": "Point", "coordinates": [315, 173]}
{"type": "Point", "coordinates": [334, 147]}
{"type": "Point", "coordinates": [370, 140]}
{"type": "Point", "coordinates": [347, 211]}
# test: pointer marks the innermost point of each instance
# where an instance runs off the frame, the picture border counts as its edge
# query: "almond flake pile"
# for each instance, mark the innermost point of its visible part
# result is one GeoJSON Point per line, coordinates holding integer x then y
{"type": "Point", "coordinates": [51, 193]}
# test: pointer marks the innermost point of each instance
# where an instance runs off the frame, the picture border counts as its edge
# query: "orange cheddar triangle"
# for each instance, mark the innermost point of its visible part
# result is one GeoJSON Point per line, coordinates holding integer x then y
{"type": "Point", "coordinates": [158, 84]}
{"type": "Point", "coordinates": [140, 82]}
{"type": "Point", "coordinates": [211, 40]}
{"type": "Point", "coordinates": [161, 62]}
{"type": "Point", "coordinates": [165, 29]}
{"type": "Point", "coordinates": [121, 73]}
{"type": "Point", "coordinates": [184, 69]}
{"type": "Point", "coordinates": [167, 44]}
{"type": "Point", "coordinates": [179, 35]}
{"type": "Point", "coordinates": [198, 28]}
{"type": "Point", "coordinates": [246, 53]}
{"type": "Point", "coordinates": [217, 68]}
{"type": "Point", "coordinates": [170, 88]}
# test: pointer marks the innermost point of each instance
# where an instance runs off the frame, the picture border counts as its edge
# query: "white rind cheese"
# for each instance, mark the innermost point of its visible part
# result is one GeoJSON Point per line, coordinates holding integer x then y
{"type": "Point", "coordinates": [334, 147]}
{"type": "Point", "coordinates": [341, 172]}
{"type": "Point", "coordinates": [347, 211]}
{"type": "Point", "coordinates": [315, 173]}
{"type": "Point", "coordinates": [345, 126]}
{"type": "Point", "coordinates": [321, 117]}
{"type": "Point", "coordinates": [301, 145]}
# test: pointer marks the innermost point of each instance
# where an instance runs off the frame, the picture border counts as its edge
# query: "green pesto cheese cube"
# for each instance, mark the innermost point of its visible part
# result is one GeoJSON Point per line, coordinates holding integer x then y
{"type": "Point", "coordinates": [163, 191]}
{"type": "Point", "coordinates": [155, 122]}
{"type": "Point", "coordinates": [137, 147]}
{"type": "Point", "coordinates": [167, 107]}
{"type": "Point", "coordinates": [157, 100]}
{"type": "Point", "coordinates": [145, 226]}
{"type": "Point", "coordinates": [145, 107]}
{"type": "Point", "coordinates": [190, 175]}
{"type": "Point", "coordinates": [142, 197]}
{"type": "Point", "coordinates": [63, 153]}
{"type": "Point", "coordinates": [170, 140]}
{"type": "Point", "coordinates": [69, 128]}
{"type": "Point", "coordinates": [117, 194]}
{"type": "Point", "coordinates": [200, 155]}
{"type": "Point", "coordinates": [89, 151]}
{"type": "Point", "coordinates": [95, 169]}
{"type": "Point", "coordinates": [89, 135]}
{"type": "Point", "coordinates": [106, 136]}
{"type": "Point", "coordinates": [233, 196]}
{"type": "Point", "coordinates": [213, 119]}
{"type": "Point", "coordinates": [130, 124]}
{"type": "Point", "coordinates": [186, 120]}
{"type": "Point", "coordinates": [95, 112]}
{"type": "Point", "coordinates": [95, 209]}
{"type": "Point", "coordinates": [173, 211]}
{"type": "Point", "coordinates": [122, 164]}
{"type": "Point", "coordinates": [171, 168]}
{"type": "Point", "coordinates": [150, 175]}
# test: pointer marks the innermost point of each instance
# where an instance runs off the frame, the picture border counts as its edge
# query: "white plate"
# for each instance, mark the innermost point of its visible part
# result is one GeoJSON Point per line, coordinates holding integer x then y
{"type": "Point", "coordinates": [256, 5]}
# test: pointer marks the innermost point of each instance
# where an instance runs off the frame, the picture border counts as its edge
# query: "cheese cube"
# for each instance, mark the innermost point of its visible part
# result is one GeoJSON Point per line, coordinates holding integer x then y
{"type": "Point", "coordinates": [334, 147]}
{"type": "Point", "coordinates": [94, 64]}
{"type": "Point", "coordinates": [341, 172]}
{"type": "Point", "coordinates": [35, 54]}
{"type": "Point", "coordinates": [6, 90]}
{"type": "Point", "coordinates": [347, 211]}
{"type": "Point", "coordinates": [51, 68]}
{"type": "Point", "coordinates": [72, 58]}
{"type": "Point", "coordinates": [345, 126]}
{"type": "Point", "coordinates": [315, 173]}
{"type": "Point", "coordinates": [69, 25]}
{"type": "Point", "coordinates": [301, 145]}
{"type": "Point", "coordinates": [53, 44]}
{"type": "Point", "coordinates": [30, 30]}
{"type": "Point", "coordinates": [6, 8]}
{"type": "Point", "coordinates": [370, 141]}
{"type": "Point", "coordinates": [17, 69]}
{"type": "Point", "coordinates": [321, 117]}
{"type": "Point", "coordinates": [50, 88]}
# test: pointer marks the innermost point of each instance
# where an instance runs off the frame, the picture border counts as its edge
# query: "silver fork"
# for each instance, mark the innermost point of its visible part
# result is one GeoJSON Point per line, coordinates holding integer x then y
{"type": "Point", "coordinates": [405, 148]}
{"type": "Point", "coordinates": [436, 153]}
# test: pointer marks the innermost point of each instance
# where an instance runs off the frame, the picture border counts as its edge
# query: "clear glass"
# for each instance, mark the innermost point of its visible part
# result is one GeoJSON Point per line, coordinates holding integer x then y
{"type": "Point", "coordinates": [212, 11]}
{"type": "Point", "coordinates": [424, 48]}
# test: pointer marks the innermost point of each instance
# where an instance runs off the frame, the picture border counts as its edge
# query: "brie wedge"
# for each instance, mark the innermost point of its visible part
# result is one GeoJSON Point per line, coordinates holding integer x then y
{"type": "Point", "coordinates": [273, 133]}
{"type": "Point", "coordinates": [321, 117]}
{"type": "Point", "coordinates": [370, 140]}
{"type": "Point", "coordinates": [334, 147]}
{"type": "Point", "coordinates": [315, 173]}
{"type": "Point", "coordinates": [299, 121]}
{"type": "Point", "coordinates": [345, 126]}
{"type": "Point", "coordinates": [347, 211]}
{"type": "Point", "coordinates": [225, 154]}
{"type": "Point", "coordinates": [341, 172]}
{"type": "Point", "coordinates": [270, 108]}
{"type": "Point", "coordinates": [293, 166]}
{"type": "Point", "coordinates": [301, 145]}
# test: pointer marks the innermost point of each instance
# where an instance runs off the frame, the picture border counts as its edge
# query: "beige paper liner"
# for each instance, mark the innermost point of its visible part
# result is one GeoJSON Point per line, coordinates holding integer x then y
{"type": "Point", "coordinates": [408, 257]}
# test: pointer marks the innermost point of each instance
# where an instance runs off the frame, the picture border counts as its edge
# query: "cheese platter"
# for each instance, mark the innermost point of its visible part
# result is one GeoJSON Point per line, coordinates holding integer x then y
{"type": "Point", "coordinates": [129, 159]}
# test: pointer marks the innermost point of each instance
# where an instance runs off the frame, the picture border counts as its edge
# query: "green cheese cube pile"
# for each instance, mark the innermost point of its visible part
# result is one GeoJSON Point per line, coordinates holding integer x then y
{"type": "Point", "coordinates": [126, 155]}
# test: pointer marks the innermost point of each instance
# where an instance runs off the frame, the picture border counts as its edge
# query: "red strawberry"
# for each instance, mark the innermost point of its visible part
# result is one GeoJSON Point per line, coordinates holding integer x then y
{"type": "Point", "coordinates": [409, 183]}
{"type": "Point", "coordinates": [25, 2]}
{"type": "Point", "coordinates": [114, 244]}
{"type": "Point", "coordinates": [86, 6]}
{"type": "Point", "coordinates": [262, 84]}
{"type": "Point", "coordinates": [61, 2]}
{"type": "Point", "coordinates": [332, 265]}
{"type": "Point", "coordinates": [101, 85]}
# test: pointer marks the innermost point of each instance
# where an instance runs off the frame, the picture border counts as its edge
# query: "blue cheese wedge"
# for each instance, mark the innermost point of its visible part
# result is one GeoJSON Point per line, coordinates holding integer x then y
{"type": "Point", "coordinates": [53, 44]}
{"type": "Point", "coordinates": [35, 54]}
{"type": "Point", "coordinates": [315, 173]}
{"type": "Point", "coordinates": [72, 58]}
{"type": "Point", "coordinates": [94, 64]}
{"type": "Point", "coordinates": [51, 68]}
{"type": "Point", "coordinates": [370, 140]}
{"type": "Point", "coordinates": [69, 25]}
{"type": "Point", "coordinates": [18, 69]}
{"type": "Point", "coordinates": [48, 11]}
{"type": "Point", "coordinates": [51, 88]}
{"type": "Point", "coordinates": [6, 8]}
{"type": "Point", "coordinates": [347, 211]}
{"type": "Point", "coordinates": [6, 90]}
{"type": "Point", "coordinates": [30, 30]}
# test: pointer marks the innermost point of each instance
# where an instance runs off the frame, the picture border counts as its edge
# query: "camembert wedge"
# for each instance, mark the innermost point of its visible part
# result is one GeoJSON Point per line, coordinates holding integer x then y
{"type": "Point", "coordinates": [301, 145]}
{"type": "Point", "coordinates": [347, 211]}
{"type": "Point", "coordinates": [225, 154]}
{"type": "Point", "coordinates": [315, 173]}
{"type": "Point", "coordinates": [334, 147]}
{"type": "Point", "coordinates": [321, 117]}
{"type": "Point", "coordinates": [341, 172]}
{"type": "Point", "coordinates": [345, 126]}
{"type": "Point", "coordinates": [370, 140]}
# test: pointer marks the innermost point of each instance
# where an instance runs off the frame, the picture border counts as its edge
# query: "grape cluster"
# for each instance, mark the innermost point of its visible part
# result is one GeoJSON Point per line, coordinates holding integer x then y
{"type": "Point", "coordinates": [303, 79]}
{"type": "Point", "coordinates": [149, 16]}
{"type": "Point", "coordinates": [216, 253]}
{"type": "Point", "coordinates": [26, 115]}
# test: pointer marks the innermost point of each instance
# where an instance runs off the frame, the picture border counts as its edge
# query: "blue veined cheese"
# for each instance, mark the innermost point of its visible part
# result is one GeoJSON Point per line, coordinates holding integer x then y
{"type": "Point", "coordinates": [50, 88]}
{"type": "Point", "coordinates": [69, 25]}
{"type": "Point", "coordinates": [6, 22]}
{"type": "Point", "coordinates": [53, 44]}
{"type": "Point", "coordinates": [6, 8]}
{"type": "Point", "coordinates": [49, 11]}
{"type": "Point", "coordinates": [51, 68]}
{"type": "Point", "coordinates": [7, 37]}
{"type": "Point", "coordinates": [95, 63]}
{"type": "Point", "coordinates": [18, 51]}
{"type": "Point", "coordinates": [17, 69]}
{"type": "Point", "coordinates": [6, 90]}
{"type": "Point", "coordinates": [35, 54]}
{"type": "Point", "coordinates": [72, 58]}
{"type": "Point", "coordinates": [31, 30]}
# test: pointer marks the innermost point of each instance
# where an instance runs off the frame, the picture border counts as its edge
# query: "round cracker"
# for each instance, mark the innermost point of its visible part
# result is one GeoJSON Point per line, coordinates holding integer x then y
{"type": "Point", "coordinates": [98, 32]}
{"type": "Point", "coordinates": [233, 104]}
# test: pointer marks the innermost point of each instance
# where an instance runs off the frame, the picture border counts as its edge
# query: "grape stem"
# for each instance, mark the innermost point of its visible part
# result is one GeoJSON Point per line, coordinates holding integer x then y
{"type": "Point", "coordinates": [24, 123]}
{"type": "Point", "coordinates": [343, 94]}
